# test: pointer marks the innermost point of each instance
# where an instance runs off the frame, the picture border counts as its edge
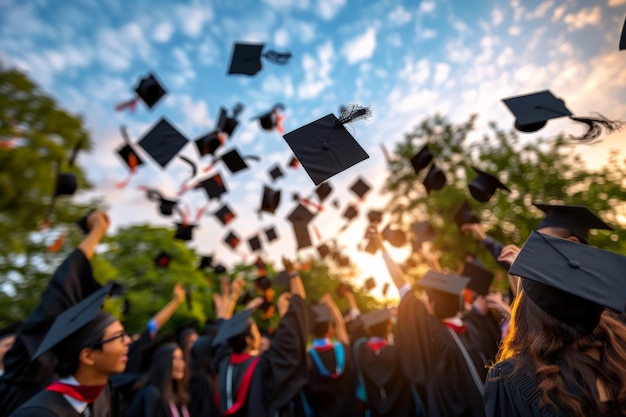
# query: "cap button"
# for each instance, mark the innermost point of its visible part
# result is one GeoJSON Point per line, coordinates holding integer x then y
{"type": "Point", "coordinates": [574, 264]}
{"type": "Point", "coordinates": [325, 146]}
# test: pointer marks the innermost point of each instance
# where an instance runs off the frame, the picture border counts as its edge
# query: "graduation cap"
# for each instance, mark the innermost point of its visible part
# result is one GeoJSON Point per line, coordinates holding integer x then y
{"type": "Point", "coordinates": [270, 234]}
{"type": "Point", "coordinates": [184, 231]}
{"type": "Point", "coordinates": [577, 219]}
{"type": "Point", "coordinates": [484, 186]}
{"type": "Point", "coordinates": [166, 207]}
{"type": "Point", "coordinates": [446, 289]}
{"type": "Point", "coordinates": [293, 163]}
{"type": "Point", "coordinates": [325, 148]}
{"type": "Point", "coordinates": [10, 330]}
{"type": "Point", "coordinates": [532, 111]}
{"type": "Point", "coordinates": [371, 247]}
{"type": "Point", "coordinates": [343, 260]}
{"type": "Point", "coordinates": [209, 143]}
{"type": "Point", "coordinates": [219, 269]}
{"type": "Point", "coordinates": [465, 215]}
{"type": "Point", "coordinates": [323, 250]}
{"type": "Point", "coordinates": [370, 283]}
{"type": "Point", "coordinates": [395, 237]}
{"type": "Point", "coordinates": [571, 281]}
{"type": "Point", "coordinates": [272, 119]}
{"type": "Point", "coordinates": [163, 142]}
{"type": "Point", "coordinates": [275, 172]}
{"type": "Point", "coordinates": [233, 327]}
{"type": "Point", "coordinates": [235, 162]}
{"type": "Point", "coordinates": [149, 90]}
{"type": "Point", "coordinates": [301, 215]}
{"type": "Point", "coordinates": [65, 184]}
{"type": "Point", "coordinates": [80, 326]}
{"type": "Point", "coordinates": [206, 262]}
{"type": "Point", "coordinates": [360, 188]}
{"type": "Point", "coordinates": [435, 179]}
{"type": "Point", "coordinates": [622, 39]}
{"type": "Point", "coordinates": [225, 215]}
{"type": "Point", "coordinates": [321, 314]}
{"type": "Point", "coordinates": [375, 216]}
{"type": "Point", "coordinates": [480, 278]}
{"type": "Point", "coordinates": [385, 289]}
{"type": "Point", "coordinates": [270, 200]}
{"type": "Point", "coordinates": [246, 58]}
{"type": "Point", "coordinates": [374, 318]}
{"type": "Point", "coordinates": [130, 157]}
{"type": "Point", "coordinates": [323, 191]}
{"type": "Point", "coordinates": [162, 260]}
{"type": "Point", "coordinates": [214, 186]}
{"type": "Point", "coordinates": [351, 212]}
{"type": "Point", "coordinates": [422, 232]}
{"type": "Point", "coordinates": [421, 159]}
{"type": "Point", "coordinates": [255, 244]}
{"type": "Point", "coordinates": [232, 240]}
{"type": "Point", "coordinates": [262, 282]}
{"type": "Point", "coordinates": [302, 235]}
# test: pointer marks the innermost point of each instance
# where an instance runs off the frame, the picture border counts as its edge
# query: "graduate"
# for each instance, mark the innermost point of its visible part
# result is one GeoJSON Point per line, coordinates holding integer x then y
{"type": "Point", "coordinates": [90, 346]}
{"type": "Point", "coordinates": [263, 385]}
{"type": "Point", "coordinates": [564, 354]}
{"type": "Point", "coordinates": [71, 283]}
{"type": "Point", "coordinates": [7, 338]}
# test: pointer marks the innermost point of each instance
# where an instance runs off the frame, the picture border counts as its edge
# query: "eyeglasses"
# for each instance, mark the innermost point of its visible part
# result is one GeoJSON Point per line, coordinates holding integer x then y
{"type": "Point", "coordinates": [110, 339]}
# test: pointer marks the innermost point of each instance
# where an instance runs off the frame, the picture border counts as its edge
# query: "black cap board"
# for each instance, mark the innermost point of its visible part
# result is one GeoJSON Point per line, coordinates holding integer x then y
{"type": "Point", "coordinates": [255, 244]}
{"type": "Point", "coordinates": [184, 231]}
{"type": "Point", "coordinates": [227, 124]}
{"type": "Point", "coordinates": [360, 188]}
{"type": "Point", "coordinates": [225, 215]}
{"type": "Point", "coordinates": [447, 283]}
{"type": "Point", "coordinates": [577, 219]}
{"type": "Point", "coordinates": [206, 262]}
{"type": "Point", "coordinates": [302, 235]}
{"type": "Point", "coordinates": [232, 240]}
{"type": "Point", "coordinates": [162, 260]}
{"type": "Point", "coordinates": [323, 250]}
{"type": "Point", "coordinates": [275, 172]}
{"type": "Point", "coordinates": [370, 283]}
{"type": "Point", "coordinates": [321, 313]}
{"type": "Point", "coordinates": [270, 200]}
{"type": "Point", "coordinates": [325, 148]}
{"type": "Point", "coordinates": [421, 159]}
{"type": "Point", "coordinates": [465, 215]}
{"type": "Point", "coordinates": [150, 90]}
{"type": "Point", "coordinates": [301, 215]}
{"type": "Point", "coordinates": [233, 327]}
{"type": "Point", "coordinates": [209, 143]}
{"type": "Point", "coordinates": [484, 186]}
{"type": "Point", "coordinates": [435, 179]}
{"type": "Point", "coordinates": [532, 111]}
{"type": "Point", "coordinates": [270, 234]}
{"type": "Point", "coordinates": [214, 186]}
{"type": "Point", "coordinates": [234, 161]}
{"type": "Point", "coordinates": [65, 184]}
{"type": "Point", "coordinates": [351, 212]}
{"type": "Point", "coordinates": [375, 216]}
{"type": "Point", "coordinates": [163, 142]}
{"type": "Point", "coordinates": [246, 59]}
{"type": "Point", "coordinates": [622, 39]}
{"type": "Point", "coordinates": [374, 318]}
{"type": "Point", "coordinates": [480, 278]}
{"type": "Point", "coordinates": [129, 156]}
{"type": "Point", "coordinates": [571, 281]}
{"type": "Point", "coordinates": [323, 191]}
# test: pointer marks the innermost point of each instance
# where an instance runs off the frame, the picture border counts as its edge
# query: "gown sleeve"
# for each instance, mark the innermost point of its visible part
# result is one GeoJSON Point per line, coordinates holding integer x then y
{"type": "Point", "coordinates": [147, 403]}
{"type": "Point", "coordinates": [508, 394]}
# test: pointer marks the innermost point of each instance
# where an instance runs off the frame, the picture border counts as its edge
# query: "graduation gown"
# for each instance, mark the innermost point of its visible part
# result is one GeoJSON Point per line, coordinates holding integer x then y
{"type": "Point", "coordinates": [22, 379]}
{"type": "Point", "coordinates": [148, 403]}
{"type": "Point", "coordinates": [202, 374]}
{"type": "Point", "coordinates": [280, 372]}
{"type": "Point", "coordinates": [433, 362]}
{"type": "Point", "coordinates": [327, 396]}
{"type": "Point", "coordinates": [388, 393]}
{"type": "Point", "coordinates": [482, 339]}
{"type": "Point", "coordinates": [46, 404]}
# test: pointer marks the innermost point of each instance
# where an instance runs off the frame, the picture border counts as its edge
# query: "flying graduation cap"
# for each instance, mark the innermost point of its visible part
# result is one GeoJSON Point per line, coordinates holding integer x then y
{"type": "Point", "coordinates": [622, 39]}
{"type": "Point", "coordinates": [232, 240]}
{"type": "Point", "coordinates": [272, 119]}
{"type": "Point", "coordinates": [465, 215]}
{"type": "Point", "coordinates": [225, 215]}
{"type": "Point", "coordinates": [149, 90]}
{"type": "Point", "coordinates": [325, 147]}
{"type": "Point", "coordinates": [246, 58]}
{"type": "Point", "coordinates": [129, 157]}
{"type": "Point", "coordinates": [214, 186]}
{"type": "Point", "coordinates": [484, 186]}
{"type": "Point", "coordinates": [270, 234]}
{"type": "Point", "coordinates": [275, 172]}
{"type": "Point", "coordinates": [270, 200]}
{"type": "Point", "coordinates": [532, 112]}
{"type": "Point", "coordinates": [166, 206]}
{"type": "Point", "coordinates": [421, 159]}
{"type": "Point", "coordinates": [435, 179]}
{"type": "Point", "coordinates": [577, 219]}
{"type": "Point", "coordinates": [163, 142]}
{"type": "Point", "coordinates": [227, 124]}
{"type": "Point", "coordinates": [234, 161]}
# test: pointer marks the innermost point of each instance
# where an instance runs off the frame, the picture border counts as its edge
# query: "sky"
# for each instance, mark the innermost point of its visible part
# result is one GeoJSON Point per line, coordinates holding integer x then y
{"type": "Point", "coordinates": [406, 59]}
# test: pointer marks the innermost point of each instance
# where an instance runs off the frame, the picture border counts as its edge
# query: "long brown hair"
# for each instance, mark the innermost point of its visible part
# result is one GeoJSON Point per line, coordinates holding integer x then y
{"type": "Point", "coordinates": [160, 376]}
{"type": "Point", "coordinates": [563, 358]}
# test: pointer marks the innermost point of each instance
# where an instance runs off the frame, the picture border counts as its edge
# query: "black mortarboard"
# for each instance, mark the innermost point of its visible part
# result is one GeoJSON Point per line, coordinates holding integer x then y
{"type": "Point", "coordinates": [10, 330]}
{"type": "Point", "coordinates": [150, 90]}
{"type": "Point", "coordinates": [343, 260]}
{"type": "Point", "coordinates": [184, 231]}
{"type": "Point", "coordinates": [275, 172]}
{"type": "Point", "coordinates": [162, 260]}
{"type": "Point", "coordinates": [301, 215]}
{"type": "Point", "coordinates": [83, 324]}
{"type": "Point", "coordinates": [360, 188]}
{"type": "Point", "coordinates": [65, 184]}
{"type": "Point", "coordinates": [325, 148]}
{"type": "Point", "coordinates": [351, 212]}
{"type": "Point", "coordinates": [303, 238]}
{"type": "Point", "coordinates": [255, 244]}
{"type": "Point", "coordinates": [577, 219]}
{"type": "Point", "coordinates": [270, 234]}
{"type": "Point", "coordinates": [269, 200]}
{"type": "Point", "coordinates": [214, 186]}
{"type": "Point", "coordinates": [395, 237]}
{"type": "Point", "coordinates": [375, 216]}
{"type": "Point", "coordinates": [422, 232]}
{"type": "Point", "coordinates": [370, 283]}
{"type": "Point", "coordinates": [323, 250]}
{"type": "Point", "coordinates": [225, 215]}
{"type": "Point", "coordinates": [209, 143]}
{"type": "Point", "coordinates": [232, 240]}
{"type": "Point", "coordinates": [233, 327]}
{"type": "Point", "coordinates": [246, 58]}
{"type": "Point", "coordinates": [484, 186]}
{"type": "Point", "coordinates": [532, 111]}
{"type": "Point", "coordinates": [446, 289]}
{"type": "Point", "coordinates": [374, 318]}
{"type": "Point", "coordinates": [385, 289]}
{"type": "Point", "coordinates": [228, 124]}
{"type": "Point", "coordinates": [206, 262]}
{"type": "Point", "coordinates": [465, 215]}
{"type": "Point", "coordinates": [480, 278]}
{"type": "Point", "coordinates": [263, 282]}
{"type": "Point", "coordinates": [271, 119]}
{"type": "Point", "coordinates": [571, 281]}
{"type": "Point", "coordinates": [219, 269]}
{"type": "Point", "coordinates": [234, 161]}
{"type": "Point", "coordinates": [163, 142]}
{"type": "Point", "coordinates": [129, 156]}
{"type": "Point", "coordinates": [321, 314]}
{"type": "Point", "coordinates": [166, 207]}
{"type": "Point", "coordinates": [293, 163]}
{"type": "Point", "coordinates": [323, 191]}
{"type": "Point", "coordinates": [435, 179]}
{"type": "Point", "coordinates": [421, 159]}
{"type": "Point", "coordinates": [622, 39]}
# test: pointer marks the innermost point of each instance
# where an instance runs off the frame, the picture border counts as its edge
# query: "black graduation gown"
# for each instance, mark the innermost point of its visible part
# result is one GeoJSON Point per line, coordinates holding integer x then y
{"type": "Point", "coordinates": [148, 403]}
{"type": "Point", "coordinates": [388, 392]}
{"type": "Point", "coordinates": [482, 339]}
{"type": "Point", "coordinates": [433, 362]}
{"type": "Point", "coordinates": [281, 371]}
{"type": "Point", "coordinates": [200, 384]}
{"type": "Point", "coordinates": [46, 404]}
{"type": "Point", "coordinates": [329, 397]}
{"type": "Point", "coordinates": [22, 379]}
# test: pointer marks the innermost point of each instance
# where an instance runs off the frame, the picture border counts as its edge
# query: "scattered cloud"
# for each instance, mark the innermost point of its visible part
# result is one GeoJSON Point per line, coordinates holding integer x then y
{"type": "Point", "coordinates": [497, 16]}
{"type": "Point", "coordinates": [361, 47]}
{"type": "Point", "coordinates": [400, 16]}
{"type": "Point", "coordinates": [328, 9]}
{"type": "Point", "coordinates": [281, 38]}
{"type": "Point", "coordinates": [288, 4]}
{"type": "Point", "coordinates": [426, 34]}
{"type": "Point", "coordinates": [541, 10]}
{"type": "Point", "coordinates": [442, 71]}
{"type": "Point", "coordinates": [163, 32]}
{"type": "Point", "coordinates": [558, 13]}
{"type": "Point", "coordinates": [317, 71]}
{"type": "Point", "coordinates": [585, 17]}
{"type": "Point", "coordinates": [616, 3]}
{"type": "Point", "coordinates": [192, 18]}
{"type": "Point", "coordinates": [427, 7]}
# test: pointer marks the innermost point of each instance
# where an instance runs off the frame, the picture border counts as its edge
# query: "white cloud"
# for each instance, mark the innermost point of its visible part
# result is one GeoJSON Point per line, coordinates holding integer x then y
{"type": "Point", "coordinates": [497, 16]}
{"type": "Point", "coordinates": [585, 17]}
{"type": "Point", "coordinates": [400, 16]}
{"type": "Point", "coordinates": [328, 9]}
{"type": "Point", "coordinates": [541, 10]}
{"type": "Point", "coordinates": [426, 34]}
{"type": "Point", "coordinates": [196, 112]}
{"type": "Point", "coordinates": [514, 31]}
{"type": "Point", "coordinates": [558, 13]}
{"type": "Point", "coordinates": [163, 32]}
{"type": "Point", "coordinates": [427, 7]}
{"type": "Point", "coordinates": [442, 71]}
{"type": "Point", "coordinates": [193, 18]}
{"type": "Point", "coordinates": [317, 71]}
{"type": "Point", "coordinates": [415, 72]}
{"type": "Point", "coordinates": [361, 47]}
{"type": "Point", "coordinates": [276, 86]}
{"type": "Point", "coordinates": [615, 3]}
{"type": "Point", "coordinates": [394, 40]}
{"type": "Point", "coordinates": [281, 38]}
{"type": "Point", "coordinates": [118, 48]}
{"type": "Point", "coordinates": [288, 4]}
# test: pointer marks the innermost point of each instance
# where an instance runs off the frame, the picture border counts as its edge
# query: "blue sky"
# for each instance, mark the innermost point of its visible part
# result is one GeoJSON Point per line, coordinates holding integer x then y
{"type": "Point", "coordinates": [407, 59]}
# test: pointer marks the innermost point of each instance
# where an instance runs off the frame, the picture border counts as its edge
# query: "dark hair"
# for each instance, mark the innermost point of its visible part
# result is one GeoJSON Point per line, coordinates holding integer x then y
{"type": "Point", "coordinates": [380, 330]}
{"type": "Point", "coordinates": [540, 341]}
{"type": "Point", "coordinates": [238, 343]}
{"type": "Point", "coordinates": [320, 330]}
{"type": "Point", "coordinates": [446, 305]}
{"type": "Point", "coordinates": [159, 375]}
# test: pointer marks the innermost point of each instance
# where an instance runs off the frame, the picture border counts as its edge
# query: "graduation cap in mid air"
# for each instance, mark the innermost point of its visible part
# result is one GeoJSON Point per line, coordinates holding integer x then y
{"type": "Point", "coordinates": [214, 186]}
{"type": "Point", "coordinates": [149, 90]}
{"type": "Point", "coordinates": [435, 179]}
{"type": "Point", "coordinates": [325, 148]}
{"type": "Point", "coordinates": [571, 281]}
{"type": "Point", "coordinates": [275, 172]}
{"type": "Point", "coordinates": [396, 237]}
{"type": "Point", "coordinates": [129, 156]}
{"type": "Point", "coordinates": [323, 191]}
{"type": "Point", "coordinates": [225, 215]}
{"type": "Point", "coordinates": [622, 39]}
{"type": "Point", "coordinates": [270, 200]}
{"type": "Point", "coordinates": [255, 244]}
{"type": "Point", "coordinates": [227, 124]}
{"type": "Point", "coordinates": [370, 283]}
{"type": "Point", "coordinates": [246, 58]}
{"type": "Point", "coordinates": [272, 119]}
{"type": "Point", "coordinates": [162, 260]}
{"type": "Point", "coordinates": [360, 188]}
{"type": "Point", "coordinates": [480, 277]}
{"type": "Point", "coordinates": [270, 234]}
{"type": "Point", "coordinates": [577, 219]}
{"type": "Point", "coordinates": [465, 215]}
{"type": "Point", "coordinates": [484, 186]}
{"type": "Point", "coordinates": [205, 262]}
{"type": "Point", "coordinates": [209, 143]}
{"type": "Point", "coordinates": [163, 142]}
{"type": "Point", "coordinates": [232, 240]}
{"type": "Point", "coordinates": [302, 235]}
{"type": "Point", "coordinates": [233, 327]}
{"type": "Point", "coordinates": [421, 159]}
{"type": "Point", "coordinates": [166, 206]}
{"type": "Point", "coordinates": [184, 231]}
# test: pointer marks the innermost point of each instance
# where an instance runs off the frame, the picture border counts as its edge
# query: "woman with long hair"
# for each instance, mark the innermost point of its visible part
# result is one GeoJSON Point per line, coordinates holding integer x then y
{"type": "Point", "coordinates": [565, 354]}
{"type": "Point", "coordinates": [162, 391]}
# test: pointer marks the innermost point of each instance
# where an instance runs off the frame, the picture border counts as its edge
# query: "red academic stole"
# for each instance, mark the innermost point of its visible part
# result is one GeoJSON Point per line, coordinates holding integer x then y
{"type": "Point", "coordinates": [244, 386]}
{"type": "Point", "coordinates": [457, 329]}
{"type": "Point", "coordinates": [86, 393]}
{"type": "Point", "coordinates": [376, 346]}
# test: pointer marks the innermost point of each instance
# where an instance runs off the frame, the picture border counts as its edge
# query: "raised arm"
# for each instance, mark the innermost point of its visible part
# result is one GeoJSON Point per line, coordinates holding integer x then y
{"type": "Point", "coordinates": [394, 270]}
{"type": "Point", "coordinates": [340, 326]}
{"type": "Point", "coordinates": [163, 315]}
{"type": "Point", "coordinates": [295, 282]}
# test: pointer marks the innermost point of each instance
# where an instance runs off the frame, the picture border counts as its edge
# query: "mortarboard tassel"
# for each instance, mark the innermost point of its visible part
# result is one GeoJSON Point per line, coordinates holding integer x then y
{"type": "Point", "coordinates": [131, 105]}
{"type": "Point", "coordinates": [353, 112]}
{"type": "Point", "coordinates": [133, 163]}
{"type": "Point", "coordinates": [280, 118]}
{"type": "Point", "coordinates": [318, 235]}
{"type": "Point", "coordinates": [57, 244]}
{"type": "Point", "coordinates": [386, 153]}
{"type": "Point", "coordinates": [280, 58]}
{"type": "Point", "coordinates": [307, 202]}
{"type": "Point", "coordinates": [594, 127]}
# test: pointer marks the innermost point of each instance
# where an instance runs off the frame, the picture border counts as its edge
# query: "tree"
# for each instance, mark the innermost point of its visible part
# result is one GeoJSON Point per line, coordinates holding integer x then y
{"type": "Point", "coordinates": [547, 170]}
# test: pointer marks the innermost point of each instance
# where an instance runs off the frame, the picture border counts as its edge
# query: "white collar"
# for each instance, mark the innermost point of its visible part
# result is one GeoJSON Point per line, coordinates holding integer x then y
{"type": "Point", "coordinates": [77, 405]}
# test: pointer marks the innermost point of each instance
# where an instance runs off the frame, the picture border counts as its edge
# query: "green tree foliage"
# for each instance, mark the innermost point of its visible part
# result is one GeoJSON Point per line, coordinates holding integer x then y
{"type": "Point", "coordinates": [545, 170]}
